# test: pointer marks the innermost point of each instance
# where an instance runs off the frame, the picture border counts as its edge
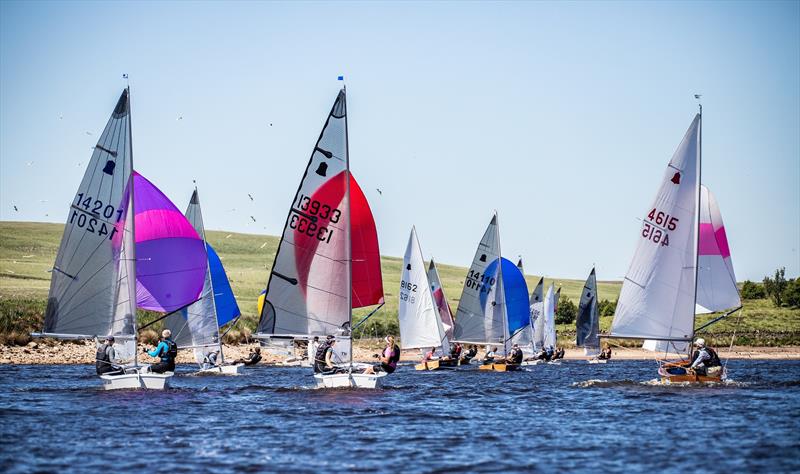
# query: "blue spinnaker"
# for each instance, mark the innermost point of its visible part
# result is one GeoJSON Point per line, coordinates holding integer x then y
{"type": "Point", "coordinates": [516, 296]}
{"type": "Point", "coordinates": [227, 309]}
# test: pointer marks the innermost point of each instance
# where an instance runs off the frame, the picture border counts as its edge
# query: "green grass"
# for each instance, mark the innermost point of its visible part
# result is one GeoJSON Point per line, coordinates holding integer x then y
{"type": "Point", "coordinates": [27, 252]}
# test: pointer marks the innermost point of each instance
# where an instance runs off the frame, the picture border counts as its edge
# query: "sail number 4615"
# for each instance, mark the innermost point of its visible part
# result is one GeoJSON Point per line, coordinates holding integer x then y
{"type": "Point", "coordinates": [663, 222]}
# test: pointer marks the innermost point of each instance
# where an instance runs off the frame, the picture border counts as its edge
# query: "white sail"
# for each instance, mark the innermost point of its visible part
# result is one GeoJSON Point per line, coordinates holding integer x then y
{"type": "Point", "coordinates": [550, 318]}
{"type": "Point", "coordinates": [658, 294]}
{"type": "Point", "coordinates": [308, 292]}
{"type": "Point", "coordinates": [537, 316]}
{"type": "Point", "coordinates": [196, 325]}
{"type": "Point", "coordinates": [524, 337]}
{"type": "Point", "coordinates": [476, 319]}
{"type": "Point", "coordinates": [92, 289]}
{"type": "Point", "coordinates": [587, 322]}
{"type": "Point", "coordinates": [420, 326]}
{"type": "Point", "coordinates": [124, 321]}
{"type": "Point", "coordinates": [440, 299]}
{"type": "Point", "coordinates": [716, 282]}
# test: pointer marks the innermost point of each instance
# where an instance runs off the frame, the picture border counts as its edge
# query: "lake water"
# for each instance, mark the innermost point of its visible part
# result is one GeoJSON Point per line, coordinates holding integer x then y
{"type": "Point", "coordinates": [572, 417]}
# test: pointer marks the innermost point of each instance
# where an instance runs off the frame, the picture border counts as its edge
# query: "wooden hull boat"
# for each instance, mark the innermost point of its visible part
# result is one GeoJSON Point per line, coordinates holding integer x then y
{"type": "Point", "coordinates": [499, 367]}
{"type": "Point", "coordinates": [437, 365]}
{"type": "Point", "coordinates": [678, 372]}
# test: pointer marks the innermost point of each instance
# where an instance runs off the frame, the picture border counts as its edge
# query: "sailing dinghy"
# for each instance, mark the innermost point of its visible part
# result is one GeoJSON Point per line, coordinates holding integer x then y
{"type": "Point", "coordinates": [681, 240]}
{"type": "Point", "coordinates": [537, 323]}
{"type": "Point", "coordinates": [494, 303]}
{"type": "Point", "coordinates": [421, 326]}
{"type": "Point", "coordinates": [328, 261]}
{"type": "Point", "coordinates": [197, 326]}
{"type": "Point", "coordinates": [587, 323]}
{"type": "Point", "coordinates": [94, 286]}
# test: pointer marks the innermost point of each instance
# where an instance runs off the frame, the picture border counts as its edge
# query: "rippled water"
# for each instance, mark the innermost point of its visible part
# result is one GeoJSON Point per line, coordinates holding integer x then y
{"type": "Point", "coordinates": [569, 417]}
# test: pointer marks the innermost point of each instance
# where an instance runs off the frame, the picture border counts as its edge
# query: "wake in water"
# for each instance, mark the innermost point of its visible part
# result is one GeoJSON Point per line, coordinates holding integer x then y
{"type": "Point", "coordinates": [596, 383]}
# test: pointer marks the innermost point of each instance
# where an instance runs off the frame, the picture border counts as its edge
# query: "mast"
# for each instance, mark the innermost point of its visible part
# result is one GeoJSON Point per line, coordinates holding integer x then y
{"type": "Point", "coordinates": [348, 230]}
{"type": "Point", "coordinates": [697, 220]}
{"type": "Point", "coordinates": [132, 210]}
{"type": "Point", "coordinates": [499, 288]}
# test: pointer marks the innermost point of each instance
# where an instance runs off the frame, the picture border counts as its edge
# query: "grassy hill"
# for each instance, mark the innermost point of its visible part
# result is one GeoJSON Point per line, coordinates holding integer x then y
{"type": "Point", "coordinates": [27, 252]}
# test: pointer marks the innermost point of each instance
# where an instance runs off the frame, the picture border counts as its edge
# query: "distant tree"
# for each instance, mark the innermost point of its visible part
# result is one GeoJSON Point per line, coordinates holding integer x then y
{"type": "Point", "coordinates": [774, 287]}
{"type": "Point", "coordinates": [606, 308]}
{"type": "Point", "coordinates": [753, 291]}
{"type": "Point", "coordinates": [566, 311]}
{"type": "Point", "coordinates": [791, 295]}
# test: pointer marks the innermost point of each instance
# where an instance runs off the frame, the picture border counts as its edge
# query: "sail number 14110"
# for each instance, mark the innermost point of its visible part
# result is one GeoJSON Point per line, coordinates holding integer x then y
{"type": "Point", "coordinates": [660, 223]}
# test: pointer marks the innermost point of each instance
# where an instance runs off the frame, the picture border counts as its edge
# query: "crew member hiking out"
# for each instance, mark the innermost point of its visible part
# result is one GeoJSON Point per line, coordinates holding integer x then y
{"type": "Point", "coordinates": [167, 350]}
{"type": "Point", "coordinates": [106, 358]}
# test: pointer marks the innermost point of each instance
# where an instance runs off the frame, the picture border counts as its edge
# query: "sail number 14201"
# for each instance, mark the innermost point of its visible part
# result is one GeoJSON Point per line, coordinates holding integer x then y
{"type": "Point", "coordinates": [657, 229]}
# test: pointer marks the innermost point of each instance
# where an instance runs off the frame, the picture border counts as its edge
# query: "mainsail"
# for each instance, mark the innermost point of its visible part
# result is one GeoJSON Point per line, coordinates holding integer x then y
{"type": "Point", "coordinates": [420, 325]}
{"type": "Point", "coordinates": [476, 318]}
{"type": "Point", "coordinates": [328, 260]}
{"type": "Point", "coordinates": [587, 324]}
{"type": "Point", "coordinates": [658, 294]}
{"type": "Point", "coordinates": [440, 300]}
{"type": "Point", "coordinates": [92, 291]}
{"type": "Point", "coordinates": [549, 318]}
{"type": "Point", "coordinates": [537, 315]}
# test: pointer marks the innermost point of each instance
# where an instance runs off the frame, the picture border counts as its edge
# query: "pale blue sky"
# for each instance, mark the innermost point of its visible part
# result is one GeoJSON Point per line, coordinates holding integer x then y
{"type": "Point", "coordinates": [562, 116]}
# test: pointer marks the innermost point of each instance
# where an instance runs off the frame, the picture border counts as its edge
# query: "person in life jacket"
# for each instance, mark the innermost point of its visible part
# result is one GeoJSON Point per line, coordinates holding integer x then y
{"type": "Point", "coordinates": [167, 350]}
{"type": "Point", "coordinates": [430, 355]}
{"type": "Point", "coordinates": [470, 354]}
{"type": "Point", "coordinates": [323, 359]}
{"type": "Point", "coordinates": [515, 356]}
{"type": "Point", "coordinates": [106, 358]}
{"type": "Point", "coordinates": [253, 358]}
{"type": "Point", "coordinates": [704, 359]}
{"type": "Point", "coordinates": [388, 358]}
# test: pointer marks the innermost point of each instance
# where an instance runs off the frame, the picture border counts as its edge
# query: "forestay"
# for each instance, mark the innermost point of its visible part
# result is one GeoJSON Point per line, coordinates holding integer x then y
{"type": "Point", "coordinates": [658, 293]}
{"type": "Point", "coordinates": [440, 299]}
{"type": "Point", "coordinates": [420, 326]}
{"type": "Point", "coordinates": [91, 289]}
{"type": "Point", "coordinates": [587, 324]}
{"type": "Point", "coordinates": [322, 267]}
{"type": "Point", "coordinates": [477, 321]}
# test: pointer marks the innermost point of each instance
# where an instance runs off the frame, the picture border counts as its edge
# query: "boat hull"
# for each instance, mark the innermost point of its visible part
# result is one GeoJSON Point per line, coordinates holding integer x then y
{"type": "Point", "coordinates": [598, 361]}
{"type": "Point", "coordinates": [437, 365]}
{"type": "Point", "coordinates": [148, 380]}
{"type": "Point", "coordinates": [689, 376]}
{"type": "Point", "coordinates": [345, 380]}
{"type": "Point", "coordinates": [532, 362]}
{"type": "Point", "coordinates": [222, 370]}
{"type": "Point", "coordinates": [499, 367]}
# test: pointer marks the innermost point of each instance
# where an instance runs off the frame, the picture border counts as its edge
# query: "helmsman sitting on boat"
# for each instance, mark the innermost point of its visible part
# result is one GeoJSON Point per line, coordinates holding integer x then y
{"type": "Point", "coordinates": [605, 354]}
{"type": "Point", "coordinates": [210, 359]}
{"type": "Point", "coordinates": [106, 358]}
{"type": "Point", "coordinates": [515, 356]}
{"type": "Point", "coordinates": [388, 359]}
{"type": "Point", "coordinates": [167, 350]}
{"type": "Point", "coordinates": [490, 355]}
{"type": "Point", "coordinates": [253, 358]}
{"type": "Point", "coordinates": [705, 360]}
{"type": "Point", "coordinates": [470, 354]}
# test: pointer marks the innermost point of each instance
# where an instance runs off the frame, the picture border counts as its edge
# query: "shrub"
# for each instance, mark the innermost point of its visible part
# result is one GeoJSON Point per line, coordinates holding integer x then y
{"type": "Point", "coordinates": [607, 308]}
{"type": "Point", "coordinates": [774, 287]}
{"type": "Point", "coordinates": [566, 311]}
{"type": "Point", "coordinates": [753, 291]}
{"type": "Point", "coordinates": [791, 295]}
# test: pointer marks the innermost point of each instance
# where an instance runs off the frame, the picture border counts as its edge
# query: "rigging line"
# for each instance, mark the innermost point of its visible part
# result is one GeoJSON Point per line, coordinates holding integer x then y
{"type": "Point", "coordinates": [84, 283]}
{"type": "Point", "coordinates": [733, 339]}
{"type": "Point", "coordinates": [168, 314]}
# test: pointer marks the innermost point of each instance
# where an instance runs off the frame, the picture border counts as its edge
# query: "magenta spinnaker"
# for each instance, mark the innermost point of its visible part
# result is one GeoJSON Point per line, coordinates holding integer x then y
{"type": "Point", "coordinates": [170, 255]}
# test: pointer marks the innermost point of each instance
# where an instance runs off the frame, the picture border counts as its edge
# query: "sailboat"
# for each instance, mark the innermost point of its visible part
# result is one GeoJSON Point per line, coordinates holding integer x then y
{"type": "Point", "coordinates": [662, 286]}
{"type": "Point", "coordinates": [94, 288]}
{"type": "Point", "coordinates": [494, 303]}
{"type": "Point", "coordinates": [327, 262]}
{"type": "Point", "coordinates": [440, 299]}
{"type": "Point", "coordinates": [524, 337]}
{"type": "Point", "coordinates": [420, 323]}
{"type": "Point", "coordinates": [197, 326]}
{"type": "Point", "coordinates": [549, 336]}
{"type": "Point", "coordinates": [587, 323]}
{"type": "Point", "coordinates": [537, 321]}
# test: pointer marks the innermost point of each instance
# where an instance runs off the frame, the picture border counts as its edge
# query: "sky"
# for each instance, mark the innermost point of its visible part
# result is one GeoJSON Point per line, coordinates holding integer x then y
{"type": "Point", "coordinates": [560, 116]}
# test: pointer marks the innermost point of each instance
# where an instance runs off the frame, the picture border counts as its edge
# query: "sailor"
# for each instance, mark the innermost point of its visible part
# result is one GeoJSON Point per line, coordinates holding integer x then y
{"type": "Point", "coordinates": [490, 355]}
{"type": "Point", "coordinates": [515, 357]}
{"type": "Point", "coordinates": [388, 358]}
{"type": "Point", "coordinates": [430, 355]}
{"type": "Point", "coordinates": [323, 358]}
{"type": "Point", "coordinates": [106, 358]}
{"type": "Point", "coordinates": [455, 351]}
{"type": "Point", "coordinates": [253, 358]}
{"type": "Point", "coordinates": [559, 353]}
{"type": "Point", "coordinates": [210, 359]}
{"type": "Point", "coordinates": [605, 354]}
{"type": "Point", "coordinates": [470, 354]}
{"type": "Point", "coordinates": [167, 350]}
{"type": "Point", "coordinates": [704, 360]}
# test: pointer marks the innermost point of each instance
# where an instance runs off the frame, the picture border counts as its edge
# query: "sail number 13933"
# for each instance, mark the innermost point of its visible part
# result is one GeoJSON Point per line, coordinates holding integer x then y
{"type": "Point", "coordinates": [308, 214]}
{"type": "Point", "coordinates": [663, 223]}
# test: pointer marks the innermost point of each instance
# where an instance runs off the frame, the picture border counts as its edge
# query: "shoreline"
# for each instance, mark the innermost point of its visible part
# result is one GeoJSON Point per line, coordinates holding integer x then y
{"type": "Point", "coordinates": [60, 353]}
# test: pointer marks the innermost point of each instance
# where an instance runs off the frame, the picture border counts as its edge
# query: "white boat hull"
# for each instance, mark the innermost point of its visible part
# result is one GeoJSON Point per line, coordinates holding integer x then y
{"type": "Point", "coordinates": [222, 370]}
{"type": "Point", "coordinates": [346, 380]}
{"type": "Point", "coordinates": [147, 380]}
{"type": "Point", "coordinates": [598, 361]}
{"type": "Point", "coordinates": [532, 362]}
